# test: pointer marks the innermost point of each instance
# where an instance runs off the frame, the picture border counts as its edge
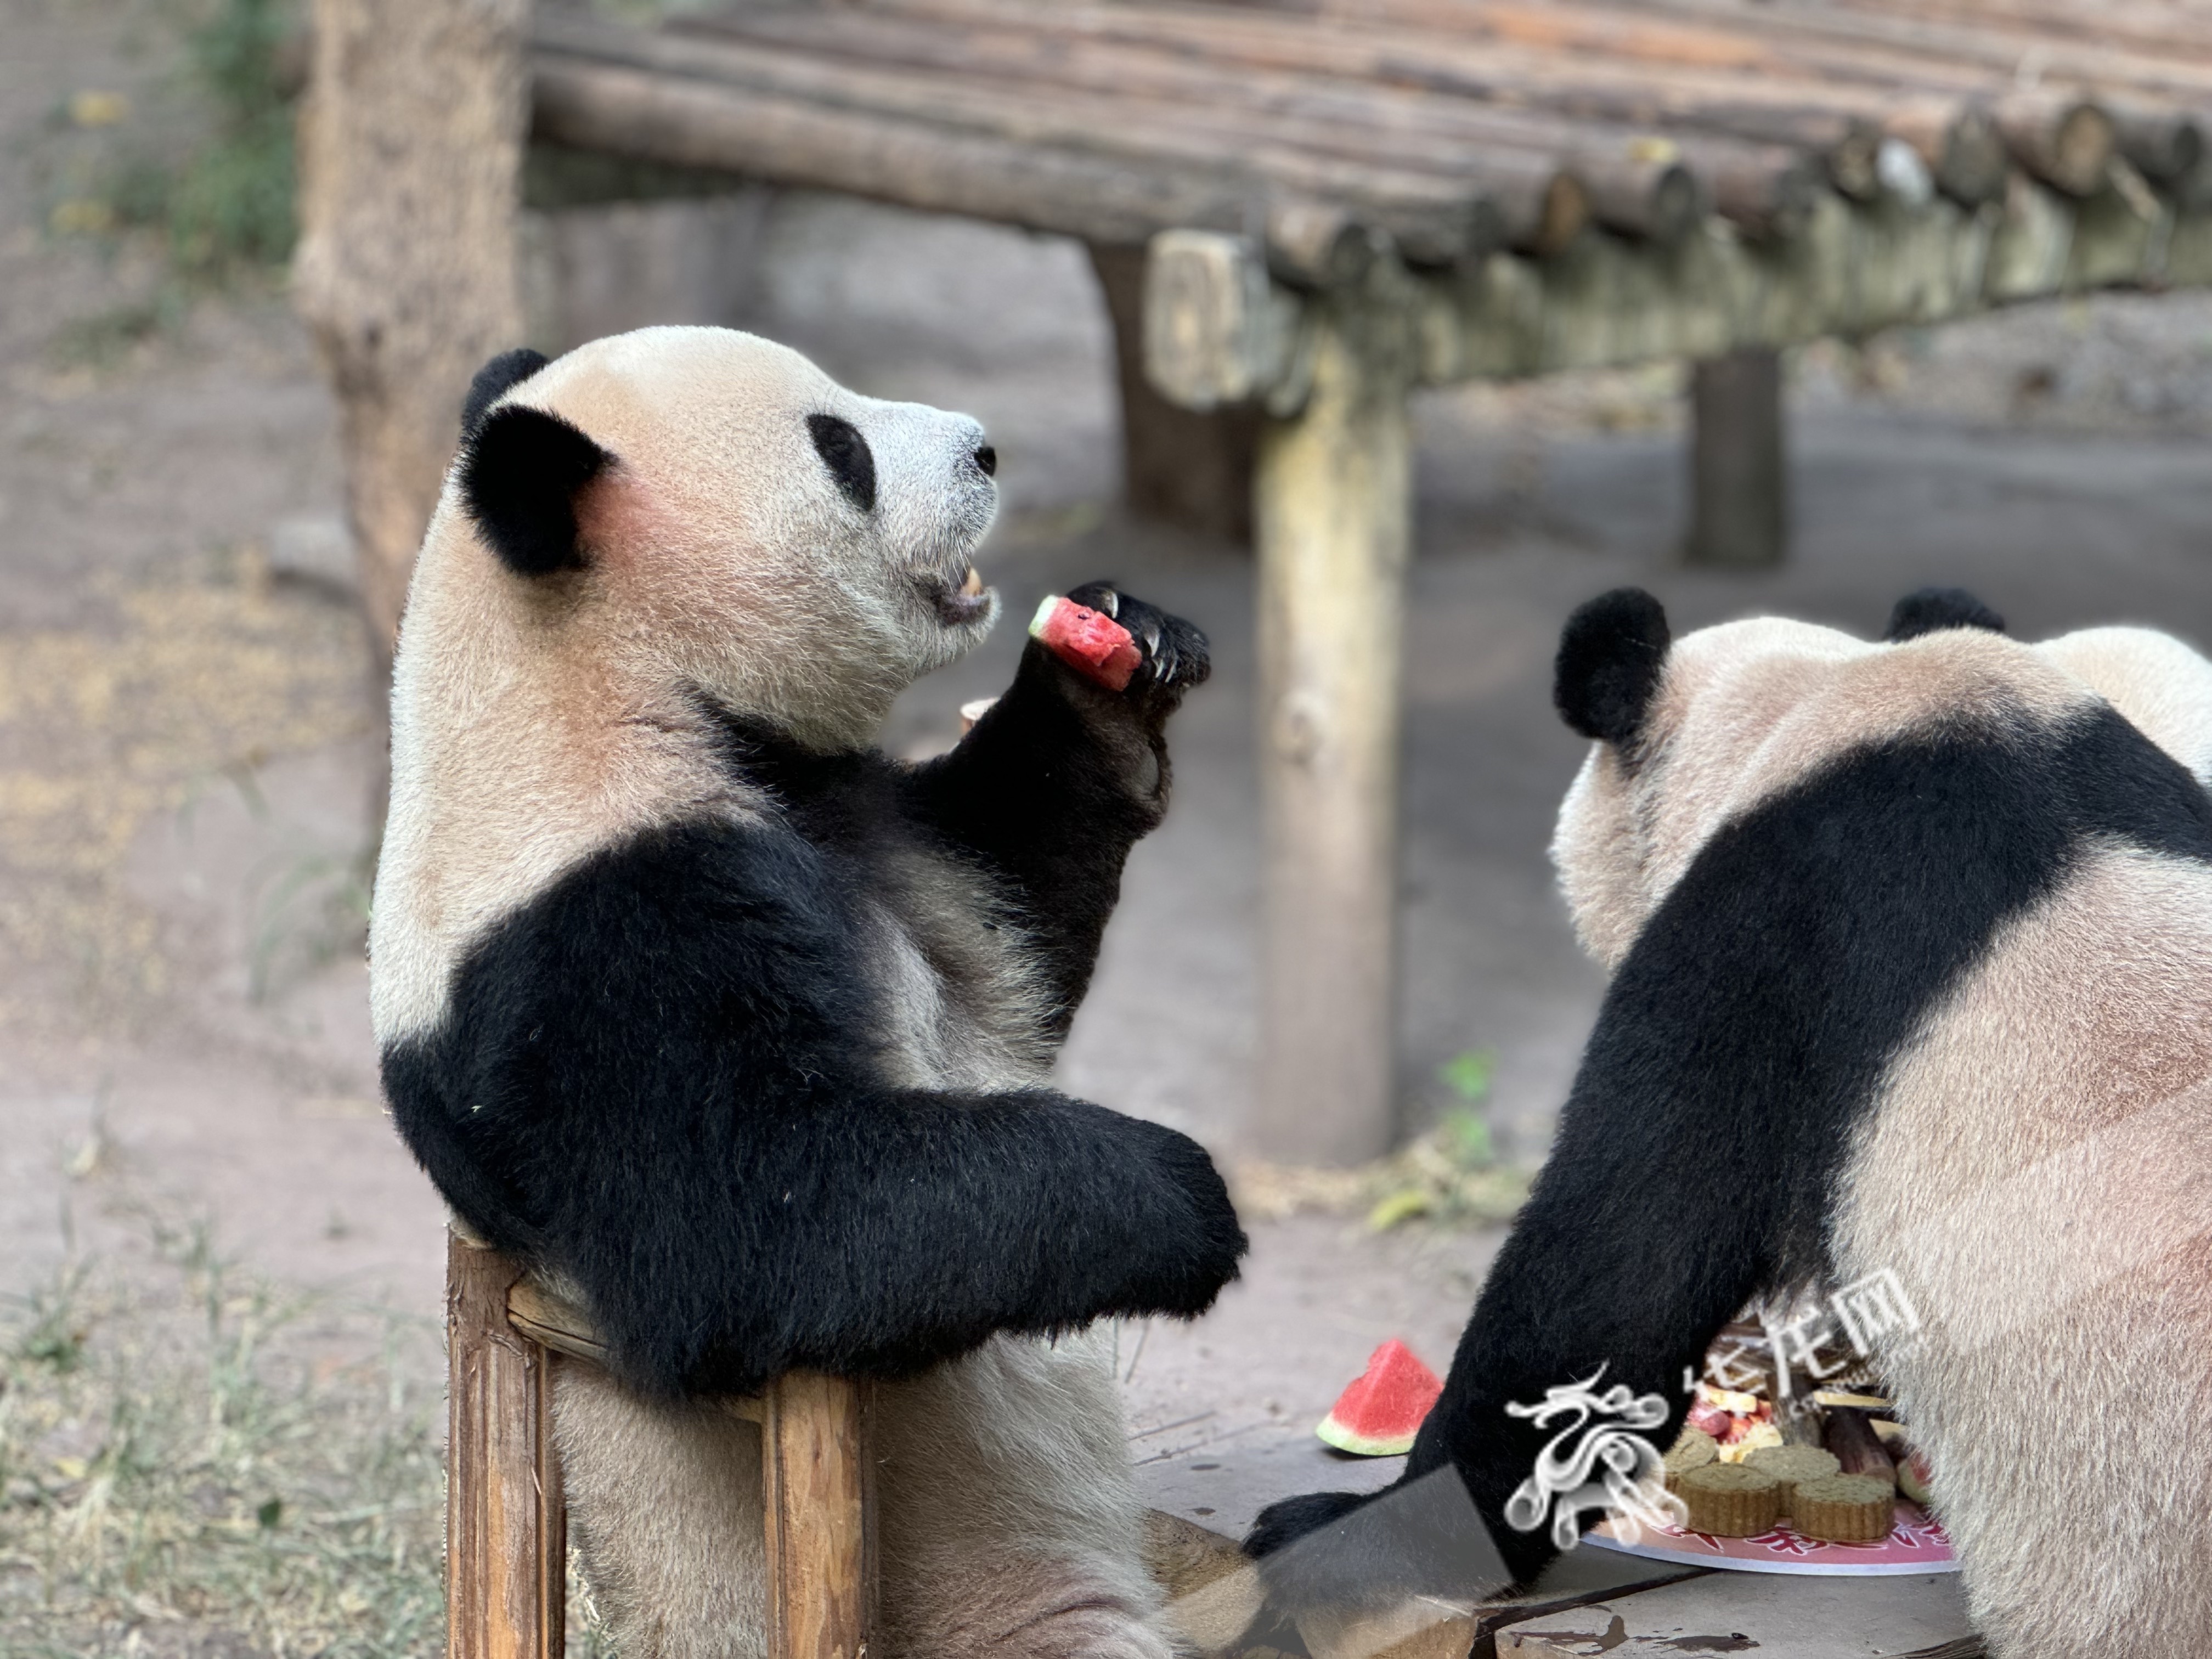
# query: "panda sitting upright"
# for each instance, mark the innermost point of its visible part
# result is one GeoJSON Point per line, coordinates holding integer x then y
{"type": "Point", "coordinates": [740, 1030]}
{"type": "Point", "coordinates": [1911, 958]}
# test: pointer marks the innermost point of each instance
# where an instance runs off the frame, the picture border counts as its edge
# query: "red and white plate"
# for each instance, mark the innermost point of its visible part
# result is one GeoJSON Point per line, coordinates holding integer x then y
{"type": "Point", "coordinates": [1916, 1543]}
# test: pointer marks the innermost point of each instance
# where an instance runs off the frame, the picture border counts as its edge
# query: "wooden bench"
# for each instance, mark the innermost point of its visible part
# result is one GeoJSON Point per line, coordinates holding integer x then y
{"type": "Point", "coordinates": [1305, 213]}
{"type": "Point", "coordinates": [506, 1526]}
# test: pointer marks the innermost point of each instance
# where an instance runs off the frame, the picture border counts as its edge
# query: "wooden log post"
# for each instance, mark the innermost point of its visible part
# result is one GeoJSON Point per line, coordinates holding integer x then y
{"type": "Point", "coordinates": [1739, 471]}
{"type": "Point", "coordinates": [507, 1544]}
{"type": "Point", "coordinates": [411, 157]}
{"type": "Point", "coordinates": [1333, 518]}
{"type": "Point", "coordinates": [1179, 466]}
{"type": "Point", "coordinates": [817, 1485]}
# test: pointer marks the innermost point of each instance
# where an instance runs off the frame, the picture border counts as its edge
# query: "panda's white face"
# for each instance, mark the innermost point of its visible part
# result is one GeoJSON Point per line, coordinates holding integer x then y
{"type": "Point", "coordinates": [1746, 709]}
{"type": "Point", "coordinates": [799, 551]}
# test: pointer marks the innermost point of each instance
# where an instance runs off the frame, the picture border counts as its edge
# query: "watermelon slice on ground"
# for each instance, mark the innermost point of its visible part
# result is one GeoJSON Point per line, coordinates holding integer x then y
{"type": "Point", "coordinates": [1089, 642]}
{"type": "Point", "coordinates": [1379, 1415]}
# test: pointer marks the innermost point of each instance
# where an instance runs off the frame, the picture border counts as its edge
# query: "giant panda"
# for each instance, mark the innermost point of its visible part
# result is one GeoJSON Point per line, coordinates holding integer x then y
{"type": "Point", "coordinates": [1911, 957]}
{"type": "Point", "coordinates": [739, 1030]}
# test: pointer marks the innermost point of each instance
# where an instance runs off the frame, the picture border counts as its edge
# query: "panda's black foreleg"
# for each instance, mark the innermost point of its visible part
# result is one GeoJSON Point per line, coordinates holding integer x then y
{"type": "Point", "coordinates": [1062, 776]}
{"type": "Point", "coordinates": [865, 1232]}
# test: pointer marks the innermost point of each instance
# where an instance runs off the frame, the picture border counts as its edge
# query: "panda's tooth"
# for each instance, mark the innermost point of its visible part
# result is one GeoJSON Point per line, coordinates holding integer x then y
{"type": "Point", "coordinates": [974, 585]}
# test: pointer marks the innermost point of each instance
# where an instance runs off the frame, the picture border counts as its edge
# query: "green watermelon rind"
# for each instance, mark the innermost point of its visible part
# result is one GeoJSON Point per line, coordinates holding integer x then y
{"type": "Point", "coordinates": [1337, 1435]}
{"type": "Point", "coordinates": [1390, 1356]}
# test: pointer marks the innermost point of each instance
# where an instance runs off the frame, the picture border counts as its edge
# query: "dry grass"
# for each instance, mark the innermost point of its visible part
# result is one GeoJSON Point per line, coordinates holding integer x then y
{"type": "Point", "coordinates": [104, 728]}
{"type": "Point", "coordinates": [182, 1472]}
{"type": "Point", "coordinates": [1430, 1180]}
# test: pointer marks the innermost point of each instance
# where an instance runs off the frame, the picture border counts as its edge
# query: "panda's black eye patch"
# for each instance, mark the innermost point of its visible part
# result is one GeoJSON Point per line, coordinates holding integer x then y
{"type": "Point", "coordinates": [846, 453]}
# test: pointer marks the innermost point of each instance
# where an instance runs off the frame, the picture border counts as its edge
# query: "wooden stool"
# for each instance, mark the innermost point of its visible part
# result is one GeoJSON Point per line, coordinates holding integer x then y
{"type": "Point", "coordinates": [507, 1533]}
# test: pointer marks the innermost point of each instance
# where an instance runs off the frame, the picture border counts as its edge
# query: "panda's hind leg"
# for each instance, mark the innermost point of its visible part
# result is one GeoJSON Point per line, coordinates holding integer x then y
{"type": "Point", "coordinates": [1011, 1528]}
{"type": "Point", "coordinates": [665, 1507]}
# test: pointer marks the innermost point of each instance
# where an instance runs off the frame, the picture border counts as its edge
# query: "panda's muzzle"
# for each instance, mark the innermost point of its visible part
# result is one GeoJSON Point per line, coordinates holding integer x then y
{"type": "Point", "coordinates": [968, 603]}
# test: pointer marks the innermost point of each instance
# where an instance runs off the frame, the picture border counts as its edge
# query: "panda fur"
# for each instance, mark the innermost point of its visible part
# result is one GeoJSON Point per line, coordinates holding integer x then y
{"type": "Point", "coordinates": [740, 1031]}
{"type": "Point", "coordinates": [1910, 948]}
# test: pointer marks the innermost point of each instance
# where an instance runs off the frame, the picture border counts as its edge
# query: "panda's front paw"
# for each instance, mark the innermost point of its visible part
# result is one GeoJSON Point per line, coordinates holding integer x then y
{"type": "Point", "coordinates": [1175, 653]}
{"type": "Point", "coordinates": [1193, 1245]}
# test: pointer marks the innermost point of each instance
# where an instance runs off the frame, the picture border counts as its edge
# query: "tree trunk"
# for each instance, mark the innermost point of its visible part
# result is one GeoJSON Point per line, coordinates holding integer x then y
{"type": "Point", "coordinates": [411, 156]}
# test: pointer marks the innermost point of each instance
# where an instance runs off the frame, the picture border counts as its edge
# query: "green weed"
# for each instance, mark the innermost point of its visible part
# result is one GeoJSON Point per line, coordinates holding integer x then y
{"type": "Point", "coordinates": [231, 204]}
{"type": "Point", "coordinates": [221, 201]}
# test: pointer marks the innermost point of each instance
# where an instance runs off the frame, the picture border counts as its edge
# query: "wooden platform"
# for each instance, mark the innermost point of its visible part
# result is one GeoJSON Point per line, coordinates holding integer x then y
{"type": "Point", "coordinates": [1456, 127]}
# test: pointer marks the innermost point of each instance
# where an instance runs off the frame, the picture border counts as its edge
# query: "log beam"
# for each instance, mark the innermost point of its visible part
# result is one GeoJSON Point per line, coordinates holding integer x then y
{"type": "Point", "coordinates": [1739, 482]}
{"type": "Point", "coordinates": [1220, 329]}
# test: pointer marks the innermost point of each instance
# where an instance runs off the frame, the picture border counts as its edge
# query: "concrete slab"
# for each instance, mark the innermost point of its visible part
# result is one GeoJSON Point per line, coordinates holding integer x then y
{"type": "Point", "coordinates": [1749, 1612]}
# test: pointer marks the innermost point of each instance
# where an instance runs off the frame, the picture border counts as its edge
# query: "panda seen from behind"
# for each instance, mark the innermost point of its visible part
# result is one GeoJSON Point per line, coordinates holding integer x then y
{"type": "Point", "coordinates": [1910, 948]}
{"type": "Point", "coordinates": [738, 1030]}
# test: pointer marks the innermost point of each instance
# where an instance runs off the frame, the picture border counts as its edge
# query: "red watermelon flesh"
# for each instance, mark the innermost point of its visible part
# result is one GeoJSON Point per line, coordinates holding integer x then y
{"type": "Point", "coordinates": [1089, 642]}
{"type": "Point", "coordinates": [1379, 1415]}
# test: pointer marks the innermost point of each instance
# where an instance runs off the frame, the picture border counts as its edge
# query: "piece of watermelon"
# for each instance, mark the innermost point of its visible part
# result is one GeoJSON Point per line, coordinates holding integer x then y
{"type": "Point", "coordinates": [1089, 642]}
{"type": "Point", "coordinates": [1378, 1414]}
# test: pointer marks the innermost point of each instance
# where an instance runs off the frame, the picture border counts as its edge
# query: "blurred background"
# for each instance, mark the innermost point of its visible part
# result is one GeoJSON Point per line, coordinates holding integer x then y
{"type": "Point", "coordinates": [220, 1415]}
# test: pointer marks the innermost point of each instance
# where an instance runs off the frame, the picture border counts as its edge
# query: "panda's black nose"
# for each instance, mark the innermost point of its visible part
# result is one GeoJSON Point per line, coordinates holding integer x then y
{"type": "Point", "coordinates": [987, 458]}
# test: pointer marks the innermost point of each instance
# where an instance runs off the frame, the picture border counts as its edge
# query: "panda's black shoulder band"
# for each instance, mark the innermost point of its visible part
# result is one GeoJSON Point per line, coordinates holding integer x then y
{"type": "Point", "coordinates": [1612, 654]}
{"type": "Point", "coordinates": [1932, 610]}
{"type": "Point", "coordinates": [520, 471]}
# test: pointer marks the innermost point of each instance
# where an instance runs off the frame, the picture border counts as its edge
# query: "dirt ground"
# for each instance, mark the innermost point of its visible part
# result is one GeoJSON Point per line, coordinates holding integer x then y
{"type": "Point", "coordinates": [185, 758]}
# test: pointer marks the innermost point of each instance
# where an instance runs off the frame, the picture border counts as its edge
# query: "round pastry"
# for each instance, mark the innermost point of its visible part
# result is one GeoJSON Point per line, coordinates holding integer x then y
{"type": "Point", "coordinates": [1693, 1450]}
{"type": "Point", "coordinates": [1844, 1508]}
{"type": "Point", "coordinates": [1730, 1500]}
{"type": "Point", "coordinates": [1791, 1467]}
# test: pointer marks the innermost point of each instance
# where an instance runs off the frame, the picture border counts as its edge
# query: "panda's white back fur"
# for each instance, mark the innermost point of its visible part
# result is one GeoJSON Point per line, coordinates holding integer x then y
{"type": "Point", "coordinates": [2036, 1175]}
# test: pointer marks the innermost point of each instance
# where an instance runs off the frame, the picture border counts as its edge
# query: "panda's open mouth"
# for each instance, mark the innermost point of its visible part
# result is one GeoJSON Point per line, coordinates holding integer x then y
{"type": "Point", "coordinates": [968, 603]}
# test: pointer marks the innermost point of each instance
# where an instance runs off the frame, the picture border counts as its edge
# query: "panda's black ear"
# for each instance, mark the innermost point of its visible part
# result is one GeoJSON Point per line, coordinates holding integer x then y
{"type": "Point", "coordinates": [509, 369]}
{"type": "Point", "coordinates": [1931, 610]}
{"type": "Point", "coordinates": [1612, 653]}
{"type": "Point", "coordinates": [520, 471]}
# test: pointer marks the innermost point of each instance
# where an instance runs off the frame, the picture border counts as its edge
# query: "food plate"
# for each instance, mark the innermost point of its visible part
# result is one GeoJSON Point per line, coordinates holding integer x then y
{"type": "Point", "coordinates": [1916, 1543]}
